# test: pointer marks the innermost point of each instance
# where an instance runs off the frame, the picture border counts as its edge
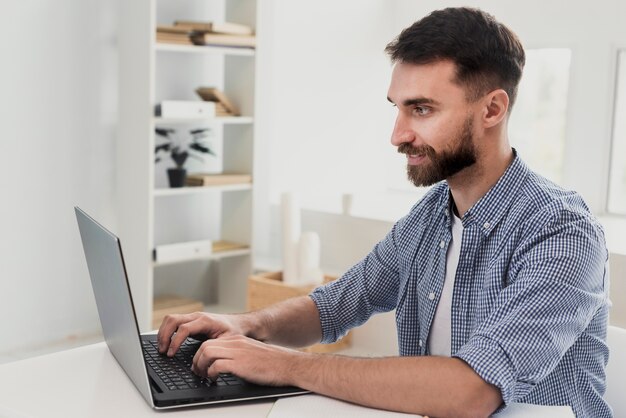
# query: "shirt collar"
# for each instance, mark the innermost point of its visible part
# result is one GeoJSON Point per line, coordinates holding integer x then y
{"type": "Point", "coordinates": [491, 208]}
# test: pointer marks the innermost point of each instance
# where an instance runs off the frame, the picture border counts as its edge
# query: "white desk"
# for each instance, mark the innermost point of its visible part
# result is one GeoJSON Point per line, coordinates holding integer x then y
{"type": "Point", "coordinates": [88, 382]}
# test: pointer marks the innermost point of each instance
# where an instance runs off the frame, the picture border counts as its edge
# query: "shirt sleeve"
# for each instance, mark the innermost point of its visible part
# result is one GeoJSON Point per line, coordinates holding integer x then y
{"type": "Point", "coordinates": [557, 286]}
{"type": "Point", "coordinates": [369, 287]}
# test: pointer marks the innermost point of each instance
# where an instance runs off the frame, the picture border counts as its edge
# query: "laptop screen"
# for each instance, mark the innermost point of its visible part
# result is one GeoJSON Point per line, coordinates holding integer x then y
{"type": "Point", "coordinates": [113, 298]}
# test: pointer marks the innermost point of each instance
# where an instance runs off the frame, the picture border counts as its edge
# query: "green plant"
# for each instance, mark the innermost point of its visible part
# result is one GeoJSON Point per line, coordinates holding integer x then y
{"type": "Point", "coordinates": [182, 147]}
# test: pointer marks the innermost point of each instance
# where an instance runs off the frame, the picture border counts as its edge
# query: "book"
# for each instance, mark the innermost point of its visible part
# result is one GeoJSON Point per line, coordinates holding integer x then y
{"type": "Point", "coordinates": [220, 110]}
{"type": "Point", "coordinates": [212, 94]}
{"type": "Point", "coordinates": [174, 29]}
{"type": "Point", "coordinates": [215, 27]}
{"type": "Point", "coordinates": [220, 246]}
{"type": "Point", "coordinates": [174, 40]}
{"type": "Point", "coordinates": [173, 35]}
{"type": "Point", "coordinates": [206, 179]}
{"type": "Point", "coordinates": [219, 39]}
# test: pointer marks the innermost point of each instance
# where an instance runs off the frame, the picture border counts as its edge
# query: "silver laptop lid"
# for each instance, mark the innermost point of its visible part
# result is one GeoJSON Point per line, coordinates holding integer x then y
{"type": "Point", "coordinates": [109, 281]}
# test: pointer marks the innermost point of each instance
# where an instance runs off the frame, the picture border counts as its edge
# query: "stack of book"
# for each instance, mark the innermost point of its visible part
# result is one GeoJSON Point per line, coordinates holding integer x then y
{"type": "Point", "coordinates": [219, 33]}
{"type": "Point", "coordinates": [185, 32]}
{"type": "Point", "coordinates": [223, 106]}
{"type": "Point", "coordinates": [221, 246]}
{"type": "Point", "coordinates": [173, 35]}
{"type": "Point", "coordinates": [206, 179]}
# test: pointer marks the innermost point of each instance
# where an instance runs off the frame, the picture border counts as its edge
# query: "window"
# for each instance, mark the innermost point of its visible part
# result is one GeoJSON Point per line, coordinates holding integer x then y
{"type": "Point", "coordinates": [617, 178]}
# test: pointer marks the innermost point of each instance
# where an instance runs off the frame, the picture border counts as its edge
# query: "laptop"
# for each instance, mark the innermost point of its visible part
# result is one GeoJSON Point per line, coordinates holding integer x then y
{"type": "Point", "coordinates": [164, 382]}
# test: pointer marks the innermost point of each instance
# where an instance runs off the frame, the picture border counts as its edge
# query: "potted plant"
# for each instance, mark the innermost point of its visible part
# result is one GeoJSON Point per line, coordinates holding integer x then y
{"type": "Point", "coordinates": [180, 148]}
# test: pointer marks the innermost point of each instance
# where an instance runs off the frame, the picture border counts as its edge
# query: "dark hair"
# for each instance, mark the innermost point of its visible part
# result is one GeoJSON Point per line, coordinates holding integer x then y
{"type": "Point", "coordinates": [487, 54]}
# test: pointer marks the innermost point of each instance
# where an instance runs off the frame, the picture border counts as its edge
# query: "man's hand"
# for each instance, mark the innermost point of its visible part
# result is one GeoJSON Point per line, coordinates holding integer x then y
{"type": "Point", "coordinates": [249, 359]}
{"type": "Point", "coordinates": [445, 387]}
{"type": "Point", "coordinates": [176, 328]}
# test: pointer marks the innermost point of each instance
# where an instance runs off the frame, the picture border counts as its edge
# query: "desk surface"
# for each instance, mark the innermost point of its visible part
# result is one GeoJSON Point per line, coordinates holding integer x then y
{"type": "Point", "coordinates": [88, 382]}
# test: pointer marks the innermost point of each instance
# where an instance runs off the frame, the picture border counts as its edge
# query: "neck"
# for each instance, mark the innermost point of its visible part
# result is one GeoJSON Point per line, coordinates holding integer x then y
{"type": "Point", "coordinates": [472, 183]}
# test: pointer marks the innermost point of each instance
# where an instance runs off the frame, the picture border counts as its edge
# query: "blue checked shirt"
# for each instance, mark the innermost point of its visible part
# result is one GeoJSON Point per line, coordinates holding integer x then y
{"type": "Point", "coordinates": [530, 303]}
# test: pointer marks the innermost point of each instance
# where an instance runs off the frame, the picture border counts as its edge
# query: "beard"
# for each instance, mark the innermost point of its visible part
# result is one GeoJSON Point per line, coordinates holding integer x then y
{"type": "Point", "coordinates": [445, 163]}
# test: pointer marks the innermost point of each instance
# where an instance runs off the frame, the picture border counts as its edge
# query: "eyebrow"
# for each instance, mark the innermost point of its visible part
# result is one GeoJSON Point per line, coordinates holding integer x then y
{"type": "Point", "coordinates": [417, 101]}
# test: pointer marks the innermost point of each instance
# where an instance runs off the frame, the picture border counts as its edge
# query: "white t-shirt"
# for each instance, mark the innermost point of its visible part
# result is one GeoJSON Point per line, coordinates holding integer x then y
{"type": "Point", "coordinates": [440, 338]}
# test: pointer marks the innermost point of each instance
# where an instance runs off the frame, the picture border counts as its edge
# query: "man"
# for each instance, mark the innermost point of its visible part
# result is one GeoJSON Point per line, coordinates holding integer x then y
{"type": "Point", "coordinates": [497, 275]}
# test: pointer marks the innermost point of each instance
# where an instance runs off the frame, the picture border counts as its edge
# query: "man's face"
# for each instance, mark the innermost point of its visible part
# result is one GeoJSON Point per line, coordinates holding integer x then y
{"type": "Point", "coordinates": [434, 126]}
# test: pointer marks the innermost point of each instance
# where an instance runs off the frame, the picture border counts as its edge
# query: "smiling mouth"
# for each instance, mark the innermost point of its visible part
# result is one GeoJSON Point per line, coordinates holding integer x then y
{"type": "Point", "coordinates": [416, 159]}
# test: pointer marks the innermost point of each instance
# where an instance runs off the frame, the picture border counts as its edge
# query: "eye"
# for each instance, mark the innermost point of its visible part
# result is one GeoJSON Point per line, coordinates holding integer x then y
{"type": "Point", "coordinates": [422, 110]}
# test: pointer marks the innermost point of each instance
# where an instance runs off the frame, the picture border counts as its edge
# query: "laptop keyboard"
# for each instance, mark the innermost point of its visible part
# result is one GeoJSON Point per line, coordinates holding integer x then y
{"type": "Point", "coordinates": [175, 372]}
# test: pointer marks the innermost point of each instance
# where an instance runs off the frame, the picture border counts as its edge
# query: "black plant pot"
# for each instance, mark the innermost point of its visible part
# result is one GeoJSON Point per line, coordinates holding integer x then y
{"type": "Point", "coordinates": [177, 176]}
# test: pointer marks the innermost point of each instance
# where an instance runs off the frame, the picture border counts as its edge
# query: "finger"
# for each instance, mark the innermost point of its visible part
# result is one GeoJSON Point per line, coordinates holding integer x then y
{"type": "Point", "coordinates": [182, 332]}
{"type": "Point", "coordinates": [219, 366]}
{"type": "Point", "coordinates": [168, 327]}
{"type": "Point", "coordinates": [207, 355]}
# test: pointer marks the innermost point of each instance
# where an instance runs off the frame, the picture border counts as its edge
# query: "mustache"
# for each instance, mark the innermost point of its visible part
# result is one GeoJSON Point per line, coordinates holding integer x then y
{"type": "Point", "coordinates": [407, 148]}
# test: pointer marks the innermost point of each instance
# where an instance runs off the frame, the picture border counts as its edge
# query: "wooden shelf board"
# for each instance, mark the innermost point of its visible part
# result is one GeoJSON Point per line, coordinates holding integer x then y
{"type": "Point", "coordinates": [184, 191]}
{"type": "Point", "coordinates": [208, 49]}
{"type": "Point", "coordinates": [224, 120]}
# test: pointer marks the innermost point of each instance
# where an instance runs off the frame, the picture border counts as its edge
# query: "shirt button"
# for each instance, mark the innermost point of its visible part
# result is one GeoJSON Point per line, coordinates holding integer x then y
{"type": "Point", "coordinates": [486, 225]}
{"type": "Point", "coordinates": [442, 244]}
{"type": "Point", "coordinates": [431, 296]}
{"type": "Point", "coordinates": [419, 343]}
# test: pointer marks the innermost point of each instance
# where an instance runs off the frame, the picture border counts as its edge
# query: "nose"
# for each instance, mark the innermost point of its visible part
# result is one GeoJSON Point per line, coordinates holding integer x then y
{"type": "Point", "coordinates": [402, 132]}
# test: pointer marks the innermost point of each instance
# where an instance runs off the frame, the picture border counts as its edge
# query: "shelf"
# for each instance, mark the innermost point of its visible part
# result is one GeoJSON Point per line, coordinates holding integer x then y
{"type": "Point", "coordinates": [215, 256]}
{"type": "Point", "coordinates": [208, 49]}
{"type": "Point", "coordinates": [224, 120]}
{"type": "Point", "coordinates": [188, 191]}
{"type": "Point", "coordinates": [158, 71]}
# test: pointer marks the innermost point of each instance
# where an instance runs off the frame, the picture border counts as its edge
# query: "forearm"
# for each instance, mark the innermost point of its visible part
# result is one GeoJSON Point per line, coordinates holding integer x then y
{"type": "Point", "coordinates": [434, 386]}
{"type": "Point", "coordinates": [292, 323]}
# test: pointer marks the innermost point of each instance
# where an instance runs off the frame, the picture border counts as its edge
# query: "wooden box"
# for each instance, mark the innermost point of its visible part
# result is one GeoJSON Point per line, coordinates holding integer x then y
{"type": "Point", "coordinates": [266, 289]}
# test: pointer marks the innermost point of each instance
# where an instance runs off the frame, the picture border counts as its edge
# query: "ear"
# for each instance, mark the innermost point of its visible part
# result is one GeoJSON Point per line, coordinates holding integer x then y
{"type": "Point", "coordinates": [495, 108]}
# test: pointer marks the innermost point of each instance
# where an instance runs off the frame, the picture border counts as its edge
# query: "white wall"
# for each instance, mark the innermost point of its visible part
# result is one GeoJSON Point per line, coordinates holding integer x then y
{"type": "Point", "coordinates": [322, 79]}
{"type": "Point", "coordinates": [327, 106]}
{"type": "Point", "coordinates": [594, 31]}
{"type": "Point", "coordinates": [324, 93]}
{"type": "Point", "coordinates": [57, 116]}
{"type": "Point", "coordinates": [326, 102]}
{"type": "Point", "coordinates": [322, 87]}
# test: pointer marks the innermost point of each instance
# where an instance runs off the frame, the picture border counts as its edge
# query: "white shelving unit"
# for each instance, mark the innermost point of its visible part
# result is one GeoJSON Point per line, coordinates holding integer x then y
{"type": "Point", "coordinates": [151, 213]}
